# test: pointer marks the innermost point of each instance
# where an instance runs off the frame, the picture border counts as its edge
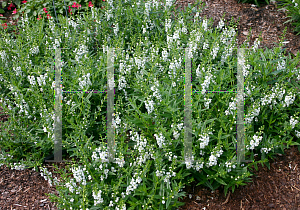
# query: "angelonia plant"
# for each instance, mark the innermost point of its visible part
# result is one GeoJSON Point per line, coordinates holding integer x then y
{"type": "Point", "coordinates": [149, 170]}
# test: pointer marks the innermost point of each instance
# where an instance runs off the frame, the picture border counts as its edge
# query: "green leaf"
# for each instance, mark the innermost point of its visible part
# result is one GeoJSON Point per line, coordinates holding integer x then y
{"type": "Point", "coordinates": [27, 11]}
{"type": "Point", "coordinates": [34, 13]}
{"type": "Point", "coordinates": [220, 181]}
{"type": "Point", "coordinates": [255, 166]}
{"type": "Point", "coordinates": [17, 2]}
{"type": "Point", "coordinates": [233, 188]}
{"type": "Point", "coordinates": [2, 11]}
{"type": "Point", "coordinates": [4, 4]}
{"type": "Point", "coordinates": [268, 165]}
{"type": "Point", "coordinates": [226, 189]}
{"type": "Point", "coordinates": [207, 183]}
{"type": "Point", "coordinates": [16, 16]}
{"type": "Point", "coordinates": [168, 202]}
{"type": "Point", "coordinates": [293, 143]}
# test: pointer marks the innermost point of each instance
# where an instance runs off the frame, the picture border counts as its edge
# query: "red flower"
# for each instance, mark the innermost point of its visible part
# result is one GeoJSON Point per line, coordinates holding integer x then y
{"type": "Point", "coordinates": [1, 15]}
{"type": "Point", "coordinates": [75, 5]}
{"type": "Point", "coordinates": [48, 16]}
{"type": "Point", "coordinates": [15, 11]}
{"type": "Point", "coordinates": [90, 4]}
{"type": "Point", "coordinates": [10, 6]}
{"type": "Point", "coordinates": [24, 1]}
{"type": "Point", "coordinates": [69, 10]}
{"type": "Point", "coordinates": [39, 17]}
{"type": "Point", "coordinates": [4, 25]}
{"type": "Point", "coordinates": [45, 10]}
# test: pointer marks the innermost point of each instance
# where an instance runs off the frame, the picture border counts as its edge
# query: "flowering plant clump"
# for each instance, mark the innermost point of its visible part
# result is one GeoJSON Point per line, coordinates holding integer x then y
{"type": "Point", "coordinates": [149, 62]}
{"type": "Point", "coordinates": [292, 8]}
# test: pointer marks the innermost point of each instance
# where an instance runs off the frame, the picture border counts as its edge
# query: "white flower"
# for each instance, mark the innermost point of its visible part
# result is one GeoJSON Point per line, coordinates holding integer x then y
{"type": "Point", "coordinates": [256, 43]}
{"type": "Point", "coordinates": [167, 24]}
{"type": "Point", "coordinates": [31, 79]}
{"type": "Point", "coordinates": [85, 82]}
{"type": "Point", "coordinates": [79, 175]}
{"type": "Point", "coordinates": [221, 24]}
{"type": "Point", "coordinates": [255, 142]}
{"type": "Point", "coordinates": [204, 140]}
{"type": "Point", "coordinates": [212, 160]}
{"type": "Point", "coordinates": [176, 134]}
{"type": "Point", "coordinates": [289, 100]}
{"type": "Point", "coordinates": [111, 203]}
{"type": "Point", "coordinates": [281, 66]}
{"type": "Point", "coordinates": [34, 50]}
{"type": "Point", "coordinates": [149, 106]}
{"type": "Point", "coordinates": [204, 25]}
{"type": "Point", "coordinates": [116, 29]}
{"type": "Point", "coordinates": [165, 55]}
{"type": "Point", "coordinates": [180, 126]}
{"type": "Point", "coordinates": [208, 101]}
{"type": "Point", "coordinates": [297, 134]}
{"type": "Point", "coordinates": [18, 71]}
{"type": "Point", "coordinates": [97, 197]}
{"type": "Point", "coordinates": [293, 122]}
{"type": "Point", "coordinates": [160, 140]}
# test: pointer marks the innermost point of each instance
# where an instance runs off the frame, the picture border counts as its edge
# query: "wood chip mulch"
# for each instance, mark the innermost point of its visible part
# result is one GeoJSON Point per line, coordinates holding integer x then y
{"type": "Point", "coordinates": [277, 188]}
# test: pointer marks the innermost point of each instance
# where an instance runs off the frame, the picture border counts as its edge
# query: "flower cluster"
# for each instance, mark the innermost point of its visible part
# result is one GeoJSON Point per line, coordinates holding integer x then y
{"type": "Point", "coordinates": [75, 5]}
{"type": "Point", "coordinates": [293, 122]}
{"type": "Point", "coordinates": [72, 185]}
{"type": "Point", "coordinates": [149, 103]}
{"type": "Point", "coordinates": [160, 140]}
{"type": "Point", "coordinates": [206, 82]}
{"type": "Point", "coordinates": [254, 142]}
{"type": "Point", "coordinates": [48, 176]}
{"type": "Point", "coordinates": [45, 10]}
{"type": "Point", "coordinates": [18, 70]}
{"type": "Point", "coordinates": [116, 122]}
{"type": "Point", "coordinates": [79, 175]}
{"type": "Point", "coordinates": [176, 134]}
{"type": "Point", "coordinates": [34, 50]}
{"type": "Point", "coordinates": [167, 174]}
{"type": "Point", "coordinates": [97, 197]}
{"type": "Point", "coordinates": [4, 25]}
{"type": "Point", "coordinates": [229, 165]}
{"type": "Point", "coordinates": [204, 139]}
{"type": "Point", "coordinates": [11, 5]}
{"type": "Point", "coordinates": [80, 52]}
{"type": "Point", "coordinates": [133, 184]}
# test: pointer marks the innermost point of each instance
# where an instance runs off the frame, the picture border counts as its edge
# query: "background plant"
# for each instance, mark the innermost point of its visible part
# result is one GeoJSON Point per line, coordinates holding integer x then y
{"type": "Point", "coordinates": [293, 11]}
{"type": "Point", "coordinates": [35, 9]}
{"type": "Point", "coordinates": [146, 174]}
{"type": "Point", "coordinates": [256, 2]}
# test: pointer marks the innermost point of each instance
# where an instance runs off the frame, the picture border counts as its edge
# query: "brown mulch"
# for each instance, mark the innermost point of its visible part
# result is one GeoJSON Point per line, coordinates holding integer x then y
{"type": "Point", "coordinates": [277, 188]}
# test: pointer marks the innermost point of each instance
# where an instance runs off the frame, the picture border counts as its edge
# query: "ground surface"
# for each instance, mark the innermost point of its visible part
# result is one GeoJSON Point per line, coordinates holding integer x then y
{"type": "Point", "coordinates": [277, 188]}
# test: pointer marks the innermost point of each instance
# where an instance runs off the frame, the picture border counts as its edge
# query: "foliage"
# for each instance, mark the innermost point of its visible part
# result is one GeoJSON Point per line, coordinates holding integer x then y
{"type": "Point", "coordinates": [256, 2]}
{"type": "Point", "coordinates": [293, 11]}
